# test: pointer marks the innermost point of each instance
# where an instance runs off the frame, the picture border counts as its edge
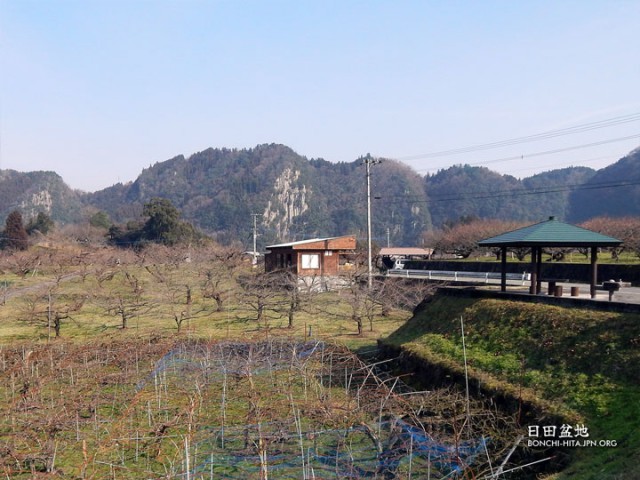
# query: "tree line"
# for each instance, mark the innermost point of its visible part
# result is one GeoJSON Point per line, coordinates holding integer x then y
{"type": "Point", "coordinates": [15, 235]}
{"type": "Point", "coordinates": [161, 223]}
{"type": "Point", "coordinates": [460, 238]}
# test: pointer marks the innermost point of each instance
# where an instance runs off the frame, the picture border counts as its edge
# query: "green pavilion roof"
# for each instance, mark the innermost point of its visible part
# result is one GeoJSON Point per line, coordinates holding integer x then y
{"type": "Point", "coordinates": [551, 233]}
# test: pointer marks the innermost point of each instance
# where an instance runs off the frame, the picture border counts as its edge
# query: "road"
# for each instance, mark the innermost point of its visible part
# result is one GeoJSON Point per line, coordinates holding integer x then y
{"type": "Point", "coordinates": [624, 295]}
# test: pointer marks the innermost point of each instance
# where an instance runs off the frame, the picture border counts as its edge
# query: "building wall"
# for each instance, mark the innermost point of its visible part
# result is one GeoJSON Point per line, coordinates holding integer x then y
{"type": "Point", "coordinates": [280, 258]}
{"type": "Point", "coordinates": [314, 262]}
{"type": "Point", "coordinates": [321, 258]}
{"type": "Point", "coordinates": [306, 262]}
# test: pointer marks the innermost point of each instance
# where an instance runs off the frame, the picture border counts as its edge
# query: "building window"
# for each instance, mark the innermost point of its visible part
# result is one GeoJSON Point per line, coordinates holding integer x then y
{"type": "Point", "coordinates": [310, 261]}
{"type": "Point", "coordinates": [346, 261]}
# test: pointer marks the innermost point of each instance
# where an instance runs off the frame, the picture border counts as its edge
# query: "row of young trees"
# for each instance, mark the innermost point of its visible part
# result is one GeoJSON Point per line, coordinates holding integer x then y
{"type": "Point", "coordinates": [282, 294]}
{"type": "Point", "coordinates": [183, 284]}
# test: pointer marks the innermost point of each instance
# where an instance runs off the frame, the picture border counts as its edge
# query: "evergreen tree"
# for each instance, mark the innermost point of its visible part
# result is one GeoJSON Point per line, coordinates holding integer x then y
{"type": "Point", "coordinates": [100, 220]}
{"type": "Point", "coordinates": [15, 236]}
{"type": "Point", "coordinates": [42, 223]}
{"type": "Point", "coordinates": [163, 225]}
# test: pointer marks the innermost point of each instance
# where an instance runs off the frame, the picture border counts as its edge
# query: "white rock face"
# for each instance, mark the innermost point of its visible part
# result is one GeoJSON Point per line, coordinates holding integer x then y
{"type": "Point", "coordinates": [40, 201]}
{"type": "Point", "coordinates": [288, 202]}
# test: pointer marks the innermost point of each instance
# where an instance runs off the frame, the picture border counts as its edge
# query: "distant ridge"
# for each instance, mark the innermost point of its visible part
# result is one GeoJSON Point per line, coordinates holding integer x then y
{"type": "Point", "coordinates": [296, 198]}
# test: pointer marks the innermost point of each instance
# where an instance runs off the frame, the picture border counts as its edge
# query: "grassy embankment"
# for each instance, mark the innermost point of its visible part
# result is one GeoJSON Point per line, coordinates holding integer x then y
{"type": "Point", "coordinates": [573, 365]}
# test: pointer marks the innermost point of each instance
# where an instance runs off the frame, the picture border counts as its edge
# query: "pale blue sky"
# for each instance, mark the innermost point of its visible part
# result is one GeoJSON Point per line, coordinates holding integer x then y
{"type": "Point", "coordinates": [96, 90]}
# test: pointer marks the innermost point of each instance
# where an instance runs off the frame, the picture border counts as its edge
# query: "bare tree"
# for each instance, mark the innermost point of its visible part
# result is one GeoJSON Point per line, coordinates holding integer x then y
{"type": "Point", "coordinates": [51, 309]}
{"type": "Point", "coordinates": [218, 267]}
{"type": "Point", "coordinates": [520, 252]}
{"type": "Point", "coordinates": [358, 297]}
{"type": "Point", "coordinates": [262, 296]}
{"type": "Point", "coordinates": [400, 293]}
{"type": "Point", "coordinates": [126, 300]}
{"type": "Point", "coordinates": [626, 229]}
{"type": "Point", "coordinates": [180, 298]}
{"type": "Point", "coordinates": [299, 293]}
{"type": "Point", "coordinates": [60, 263]}
{"type": "Point", "coordinates": [186, 312]}
{"type": "Point", "coordinates": [22, 263]}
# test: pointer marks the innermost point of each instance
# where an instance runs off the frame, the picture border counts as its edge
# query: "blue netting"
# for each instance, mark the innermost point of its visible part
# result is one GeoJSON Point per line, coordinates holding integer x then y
{"type": "Point", "coordinates": [348, 453]}
{"type": "Point", "coordinates": [233, 358]}
{"type": "Point", "coordinates": [384, 450]}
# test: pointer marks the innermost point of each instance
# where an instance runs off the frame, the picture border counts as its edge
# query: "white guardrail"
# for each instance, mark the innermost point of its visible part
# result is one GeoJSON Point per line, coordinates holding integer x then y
{"type": "Point", "coordinates": [455, 276]}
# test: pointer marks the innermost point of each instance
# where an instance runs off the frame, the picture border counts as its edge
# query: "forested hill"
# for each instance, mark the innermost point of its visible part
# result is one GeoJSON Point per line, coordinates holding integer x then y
{"type": "Point", "coordinates": [612, 191]}
{"type": "Point", "coordinates": [468, 191]}
{"type": "Point", "coordinates": [34, 192]}
{"type": "Point", "coordinates": [219, 191]}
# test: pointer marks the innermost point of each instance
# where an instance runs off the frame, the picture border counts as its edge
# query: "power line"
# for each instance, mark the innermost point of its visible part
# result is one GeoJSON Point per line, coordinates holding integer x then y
{"type": "Point", "coordinates": [509, 192]}
{"type": "Point", "coordinates": [634, 117]}
{"type": "Point", "coordinates": [548, 152]}
{"type": "Point", "coordinates": [556, 165]}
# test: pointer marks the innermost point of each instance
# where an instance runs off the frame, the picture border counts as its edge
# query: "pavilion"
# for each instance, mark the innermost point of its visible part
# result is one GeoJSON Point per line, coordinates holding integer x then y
{"type": "Point", "coordinates": [548, 234]}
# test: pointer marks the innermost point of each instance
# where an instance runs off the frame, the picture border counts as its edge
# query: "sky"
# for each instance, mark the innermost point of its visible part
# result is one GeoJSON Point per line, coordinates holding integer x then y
{"type": "Point", "coordinates": [97, 90]}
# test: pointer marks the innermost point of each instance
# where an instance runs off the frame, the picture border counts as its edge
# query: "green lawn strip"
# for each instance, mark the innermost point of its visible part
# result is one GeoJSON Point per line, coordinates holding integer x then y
{"type": "Point", "coordinates": [573, 258]}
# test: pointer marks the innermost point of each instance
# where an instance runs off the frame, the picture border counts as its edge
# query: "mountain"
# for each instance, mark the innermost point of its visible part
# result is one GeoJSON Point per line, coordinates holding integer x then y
{"type": "Point", "coordinates": [613, 191]}
{"type": "Point", "coordinates": [220, 189]}
{"type": "Point", "coordinates": [292, 198]}
{"type": "Point", "coordinates": [35, 192]}
{"type": "Point", "coordinates": [549, 193]}
{"type": "Point", "coordinates": [466, 191]}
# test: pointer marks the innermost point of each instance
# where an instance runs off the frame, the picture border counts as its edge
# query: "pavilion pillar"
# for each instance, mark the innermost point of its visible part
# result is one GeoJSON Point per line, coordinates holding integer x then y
{"type": "Point", "coordinates": [503, 269]}
{"type": "Point", "coordinates": [534, 271]}
{"type": "Point", "coordinates": [594, 271]}
{"type": "Point", "coordinates": [539, 270]}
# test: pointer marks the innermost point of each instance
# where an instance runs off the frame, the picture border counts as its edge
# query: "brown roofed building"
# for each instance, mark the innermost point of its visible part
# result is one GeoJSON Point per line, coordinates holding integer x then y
{"type": "Point", "coordinates": [317, 257]}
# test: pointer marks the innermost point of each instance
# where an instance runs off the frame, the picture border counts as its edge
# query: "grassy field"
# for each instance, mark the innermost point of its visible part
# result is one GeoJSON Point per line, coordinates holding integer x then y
{"type": "Point", "coordinates": [187, 389]}
{"type": "Point", "coordinates": [160, 369]}
{"type": "Point", "coordinates": [579, 366]}
{"type": "Point", "coordinates": [153, 294]}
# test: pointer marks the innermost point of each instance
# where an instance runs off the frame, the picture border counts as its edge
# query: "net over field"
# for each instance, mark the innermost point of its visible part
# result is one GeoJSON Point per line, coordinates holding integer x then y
{"type": "Point", "coordinates": [195, 409]}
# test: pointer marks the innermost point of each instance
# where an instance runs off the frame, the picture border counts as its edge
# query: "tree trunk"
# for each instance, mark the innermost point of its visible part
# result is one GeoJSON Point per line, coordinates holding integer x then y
{"type": "Point", "coordinates": [218, 300]}
{"type": "Point", "coordinates": [358, 320]}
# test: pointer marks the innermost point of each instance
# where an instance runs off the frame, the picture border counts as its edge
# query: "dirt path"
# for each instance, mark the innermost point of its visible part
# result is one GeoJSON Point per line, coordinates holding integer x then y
{"type": "Point", "coordinates": [9, 293]}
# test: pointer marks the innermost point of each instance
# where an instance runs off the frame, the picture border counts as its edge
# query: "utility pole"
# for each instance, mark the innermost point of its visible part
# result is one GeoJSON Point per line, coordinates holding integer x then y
{"type": "Point", "coordinates": [255, 238]}
{"type": "Point", "coordinates": [368, 160]}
